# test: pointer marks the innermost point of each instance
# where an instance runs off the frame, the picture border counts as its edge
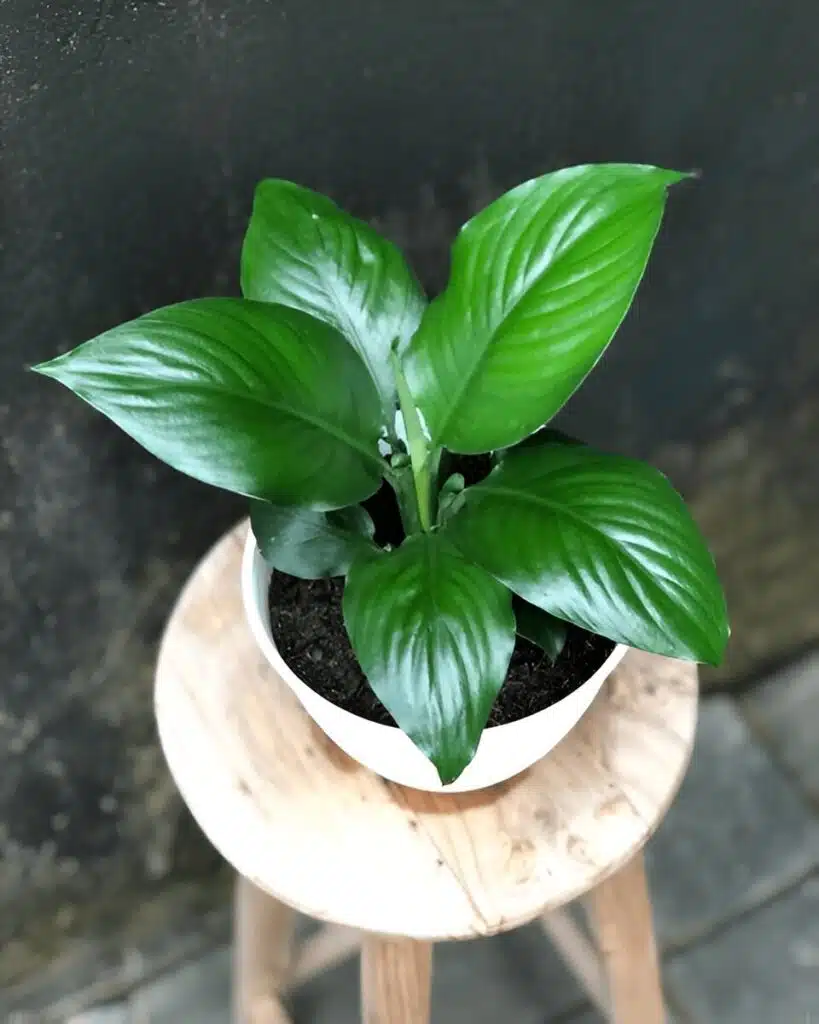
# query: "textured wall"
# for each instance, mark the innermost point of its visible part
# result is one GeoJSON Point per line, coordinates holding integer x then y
{"type": "Point", "coordinates": [132, 135]}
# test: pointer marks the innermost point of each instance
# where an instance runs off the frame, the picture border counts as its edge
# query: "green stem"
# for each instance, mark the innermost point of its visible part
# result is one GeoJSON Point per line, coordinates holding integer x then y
{"type": "Point", "coordinates": [421, 458]}
{"type": "Point", "coordinates": [401, 481]}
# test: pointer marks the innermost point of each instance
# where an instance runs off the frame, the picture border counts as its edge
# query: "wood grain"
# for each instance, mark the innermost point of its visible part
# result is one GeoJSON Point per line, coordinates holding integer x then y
{"type": "Point", "coordinates": [625, 931]}
{"type": "Point", "coordinates": [396, 980]}
{"type": "Point", "coordinates": [310, 826]}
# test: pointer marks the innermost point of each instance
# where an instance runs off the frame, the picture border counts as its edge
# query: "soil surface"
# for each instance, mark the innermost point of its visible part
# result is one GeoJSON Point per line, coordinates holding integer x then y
{"type": "Point", "coordinates": [308, 628]}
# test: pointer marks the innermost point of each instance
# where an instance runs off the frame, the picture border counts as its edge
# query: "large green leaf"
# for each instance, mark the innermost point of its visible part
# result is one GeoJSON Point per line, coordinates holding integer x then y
{"type": "Point", "coordinates": [258, 399]}
{"type": "Point", "coordinates": [303, 251]}
{"type": "Point", "coordinates": [601, 541]}
{"type": "Point", "coordinates": [310, 544]}
{"type": "Point", "coordinates": [540, 281]}
{"type": "Point", "coordinates": [434, 635]}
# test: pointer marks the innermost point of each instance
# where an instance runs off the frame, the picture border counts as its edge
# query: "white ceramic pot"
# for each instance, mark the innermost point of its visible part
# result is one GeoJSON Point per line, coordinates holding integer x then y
{"type": "Point", "coordinates": [503, 751]}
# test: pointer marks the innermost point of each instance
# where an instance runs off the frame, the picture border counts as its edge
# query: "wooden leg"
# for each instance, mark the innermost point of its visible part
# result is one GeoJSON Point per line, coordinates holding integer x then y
{"type": "Point", "coordinates": [579, 954]}
{"type": "Point", "coordinates": [330, 945]}
{"type": "Point", "coordinates": [396, 978]}
{"type": "Point", "coordinates": [622, 913]}
{"type": "Point", "coordinates": [262, 950]}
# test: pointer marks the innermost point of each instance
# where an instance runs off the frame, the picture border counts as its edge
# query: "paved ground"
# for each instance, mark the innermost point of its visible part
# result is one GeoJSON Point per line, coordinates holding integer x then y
{"type": "Point", "coordinates": [735, 876]}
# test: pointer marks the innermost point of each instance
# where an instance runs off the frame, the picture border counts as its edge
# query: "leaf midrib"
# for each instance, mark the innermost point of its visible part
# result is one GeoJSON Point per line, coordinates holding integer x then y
{"type": "Point", "coordinates": [468, 377]}
{"type": "Point", "coordinates": [327, 282]}
{"type": "Point", "coordinates": [357, 338]}
{"type": "Point", "coordinates": [527, 498]}
{"type": "Point", "coordinates": [324, 282]}
{"type": "Point", "coordinates": [294, 413]}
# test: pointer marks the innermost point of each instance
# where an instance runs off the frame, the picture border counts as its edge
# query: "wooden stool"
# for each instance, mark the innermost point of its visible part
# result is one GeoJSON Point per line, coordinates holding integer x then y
{"type": "Point", "coordinates": [394, 869]}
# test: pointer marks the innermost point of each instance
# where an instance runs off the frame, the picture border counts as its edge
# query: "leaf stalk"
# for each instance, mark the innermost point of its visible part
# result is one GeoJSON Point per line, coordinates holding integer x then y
{"type": "Point", "coordinates": [422, 458]}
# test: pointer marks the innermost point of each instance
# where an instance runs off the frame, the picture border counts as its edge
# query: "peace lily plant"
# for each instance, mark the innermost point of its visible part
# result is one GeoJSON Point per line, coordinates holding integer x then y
{"type": "Point", "coordinates": [334, 373]}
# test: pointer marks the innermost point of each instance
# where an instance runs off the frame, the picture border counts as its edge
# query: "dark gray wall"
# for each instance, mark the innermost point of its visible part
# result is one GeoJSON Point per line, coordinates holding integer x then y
{"type": "Point", "coordinates": [132, 136]}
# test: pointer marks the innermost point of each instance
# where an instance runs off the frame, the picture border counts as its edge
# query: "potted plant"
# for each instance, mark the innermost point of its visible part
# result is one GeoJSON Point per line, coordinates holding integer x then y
{"type": "Point", "coordinates": [424, 552]}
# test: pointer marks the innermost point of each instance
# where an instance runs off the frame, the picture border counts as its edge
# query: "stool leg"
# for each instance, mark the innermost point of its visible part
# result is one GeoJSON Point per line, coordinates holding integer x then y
{"type": "Point", "coordinates": [396, 978]}
{"type": "Point", "coordinates": [579, 955]}
{"type": "Point", "coordinates": [262, 951]}
{"type": "Point", "coordinates": [330, 945]}
{"type": "Point", "coordinates": [622, 914]}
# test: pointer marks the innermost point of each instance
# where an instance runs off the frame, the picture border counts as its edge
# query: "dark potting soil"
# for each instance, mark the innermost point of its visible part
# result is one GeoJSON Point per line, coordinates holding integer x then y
{"type": "Point", "coordinates": [308, 627]}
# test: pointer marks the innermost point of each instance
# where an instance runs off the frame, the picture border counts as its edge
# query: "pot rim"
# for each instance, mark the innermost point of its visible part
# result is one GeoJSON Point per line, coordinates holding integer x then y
{"type": "Point", "coordinates": [259, 621]}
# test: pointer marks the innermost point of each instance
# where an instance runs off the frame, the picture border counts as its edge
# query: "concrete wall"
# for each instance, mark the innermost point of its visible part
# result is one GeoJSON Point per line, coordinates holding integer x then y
{"type": "Point", "coordinates": [132, 135]}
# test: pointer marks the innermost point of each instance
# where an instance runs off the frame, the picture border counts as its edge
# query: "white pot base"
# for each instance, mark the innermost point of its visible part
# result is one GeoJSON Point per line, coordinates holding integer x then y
{"type": "Point", "coordinates": [503, 751]}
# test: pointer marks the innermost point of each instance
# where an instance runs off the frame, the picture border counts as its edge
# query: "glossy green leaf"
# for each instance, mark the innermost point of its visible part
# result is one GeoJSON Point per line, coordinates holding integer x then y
{"type": "Point", "coordinates": [258, 399]}
{"type": "Point", "coordinates": [303, 251]}
{"type": "Point", "coordinates": [310, 544]}
{"type": "Point", "coordinates": [540, 627]}
{"type": "Point", "coordinates": [601, 541]}
{"type": "Point", "coordinates": [434, 635]}
{"type": "Point", "coordinates": [540, 281]}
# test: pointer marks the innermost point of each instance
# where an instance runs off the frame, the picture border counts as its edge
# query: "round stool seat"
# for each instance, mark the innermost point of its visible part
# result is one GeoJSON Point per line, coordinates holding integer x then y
{"type": "Point", "coordinates": [308, 825]}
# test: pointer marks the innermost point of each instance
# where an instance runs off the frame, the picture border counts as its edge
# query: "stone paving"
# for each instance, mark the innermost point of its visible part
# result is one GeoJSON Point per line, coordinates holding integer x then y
{"type": "Point", "coordinates": [735, 877]}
